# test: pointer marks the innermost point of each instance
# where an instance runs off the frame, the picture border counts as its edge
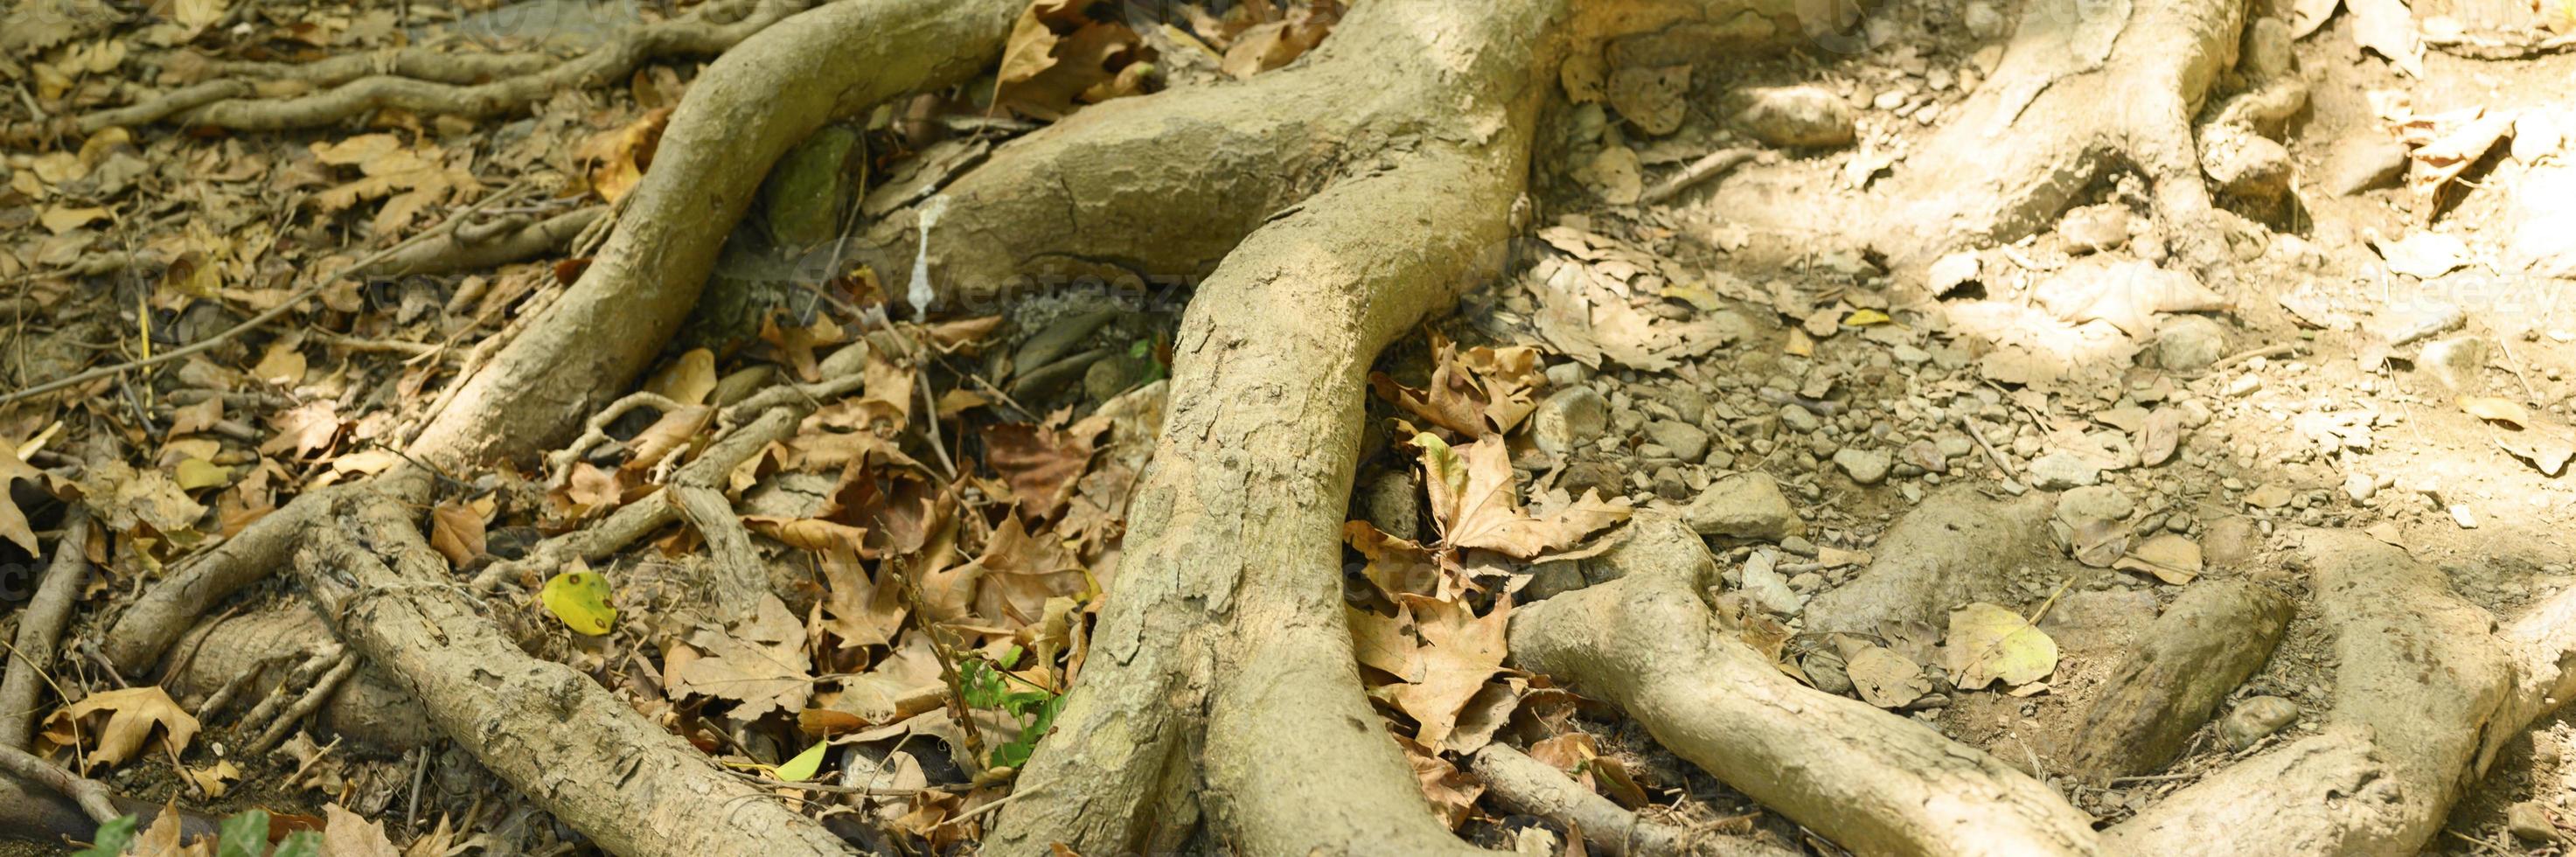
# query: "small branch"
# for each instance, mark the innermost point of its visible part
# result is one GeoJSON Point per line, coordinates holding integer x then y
{"type": "Point", "coordinates": [1970, 425]}
{"type": "Point", "coordinates": [40, 629]}
{"type": "Point", "coordinates": [305, 705]}
{"type": "Point", "coordinates": [1713, 164]}
{"type": "Point", "coordinates": [92, 796]}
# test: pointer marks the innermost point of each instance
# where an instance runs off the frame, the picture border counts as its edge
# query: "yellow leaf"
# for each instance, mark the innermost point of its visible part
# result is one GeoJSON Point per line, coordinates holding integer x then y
{"type": "Point", "coordinates": [2495, 408]}
{"type": "Point", "coordinates": [580, 598]}
{"type": "Point", "coordinates": [198, 473]}
{"type": "Point", "coordinates": [1989, 642]}
{"type": "Point", "coordinates": [122, 723]}
{"type": "Point", "coordinates": [688, 379]}
{"type": "Point", "coordinates": [802, 767]}
{"type": "Point", "coordinates": [1866, 317]}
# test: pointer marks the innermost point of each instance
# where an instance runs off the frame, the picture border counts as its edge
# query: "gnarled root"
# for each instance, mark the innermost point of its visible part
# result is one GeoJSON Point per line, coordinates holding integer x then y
{"type": "Point", "coordinates": [1870, 781]}
{"type": "Point", "coordinates": [2216, 634]}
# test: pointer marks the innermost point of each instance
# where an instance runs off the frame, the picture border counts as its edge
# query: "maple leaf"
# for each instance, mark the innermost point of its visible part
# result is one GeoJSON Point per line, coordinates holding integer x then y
{"type": "Point", "coordinates": [1041, 463]}
{"type": "Point", "coordinates": [861, 609]}
{"type": "Point", "coordinates": [122, 722]}
{"type": "Point", "coordinates": [761, 664]}
{"type": "Point", "coordinates": [13, 523]}
{"type": "Point", "coordinates": [1474, 504]}
{"type": "Point", "coordinates": [1019, 571]}
{"type": "Point", "coordinates": [1397, 566]}
{"type": "Point", "coordinates": [1058, 53]}
{"type": "Point", "coordinates": [1438, 650]}
{"type": "Point", "coordinates": [1475, 392]}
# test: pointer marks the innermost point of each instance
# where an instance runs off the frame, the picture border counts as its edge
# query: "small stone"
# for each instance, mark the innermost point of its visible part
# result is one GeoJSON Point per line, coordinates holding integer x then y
{"type": "Point", "coordinates": [2362, 162]}
{"type": "Point", "coordinates": [2268, 496]}
{"type": "Point", "coordinates": [2244, 385]}
{"type": "Point", "coordinates": [1393, 503]}
{"type": "Point", "coordinates": [1950, 272]}
{"type": "Point", "coordinates": [2257, 717]}
{"type": "Point", "coordinates": [1799, 419]}
{"type": "Point", "coordinates": [1796, 116]}
{"type": "Point", "coordinates": [1866, 466]}
{"type": "Point", "coordinates": [1827, 671]}
{"type": "Point", "coordinates": [2460, 515]}
{"type": "Point", "coordinates": [2094, 503]}
{"type": "Point", "coordinates": [1983, 21]}
{"type": "Point", "coordinates": [2095, 228]}
{"type": "Point", "coordinates": [1744, 506]}
{"type": "Point", "coordinates": [2359, 486]}
{"type": "Point", "coordinates": [1592, 475]}
{"type": "Point", "coordinates": [1799, 545]}
{"type": "Point", "coordinates": [1549, 579]}
{"type": "Point", "coordinates": [1568, 374]}
{"type": "Point", "coordinates": [1687, 442]}
{"type": "Point", "coordinates": [2190, 343]}
{"type": "Point", "coordinates": [2455, 361]}
{"type": "Point", "coordinates": [1569, 420]}
{"type": "Point", "coordinates": [2529, 821]}
{"type": "Point", "coordinates": [2058, 471]}
{"type": "Point", "coordinates": [1764, 585]}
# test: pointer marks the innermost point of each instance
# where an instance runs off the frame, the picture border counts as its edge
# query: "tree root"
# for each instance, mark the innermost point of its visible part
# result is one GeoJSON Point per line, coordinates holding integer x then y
{"type": "Point", "coordinates": [479, 246]}
{"type": "Point", "coordinates": [567, 743]}
{"type": "Point", "coordinates": [40, 628]}
{"type": "Point", "coordinates": [411, 85]}
{"type": "Point", "coordinates": [1540, 789]}
{"type": "Point", "coordinates": [89, 794]}
{"type": "Point", "coordinates": [2216, 634]}
{"type": "Point", "coordinates": [1871, 782]}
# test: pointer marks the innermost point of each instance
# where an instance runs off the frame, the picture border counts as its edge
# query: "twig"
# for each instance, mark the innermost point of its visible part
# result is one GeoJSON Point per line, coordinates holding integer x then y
{"type": "Point", "coordinates": [40, 629]}
{"type": "Point", "coordinates": [828, 788]}
{"type": "Point", "coordinates": [304, 706]}
{"type": "Point", "coordinates": [304, 673]}
{"type": "Point", "coordinates": [910, 590]}
{"type": "Point", "coordinates": [92, 797]}
{"type": "Point", "coordinates": [996, 804]}
{"type": "Point", "coordinates": [1966, 422]}
{"type": "Point", "coordinates": [282, 308]}
{"type": "Point", "coordinates": [1712, 164]}
{"type": "Point", "coordinates": [2229, 362]}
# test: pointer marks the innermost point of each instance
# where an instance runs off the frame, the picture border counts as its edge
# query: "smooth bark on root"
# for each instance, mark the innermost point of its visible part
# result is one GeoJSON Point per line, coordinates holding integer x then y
{"type": "Point", "coordinates": [40, 628]}
{"type": "Point", "coordinates": [747, 109]}
{"type": "Point", "coordinates": [481, 246]}
{"type": "Point", "coordinates": [2216, 634]}
{"type": "Point", "coordinates": [1538, 788]}
{"type": "Point", "coordinates": [1870, 781]}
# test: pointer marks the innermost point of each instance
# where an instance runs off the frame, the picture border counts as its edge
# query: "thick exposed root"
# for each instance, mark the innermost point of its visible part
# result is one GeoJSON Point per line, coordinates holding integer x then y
{"type": "Point", "coordinates": [40, 627]}
{"type": "Point", "coordinates": [480, 246]}
{"type": "Point", "coordinates": [560, 738]}
{"type": "Point", "coordinates": [2215, 635]}
{"type": "Point", "coordinates": [429, 83]}
{"type": "Point", "coordinates": [1871, 782]}
{"type": "Point", "coordinates": [1954, 549]}
{"type": "Point", "coordinates": [1538, 788]}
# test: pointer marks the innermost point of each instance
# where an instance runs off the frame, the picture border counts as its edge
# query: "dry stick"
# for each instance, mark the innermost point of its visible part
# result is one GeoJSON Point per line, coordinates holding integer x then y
{"type": "Point", "coordinates": [304, 673]}
{"type": "Point", "coordinates": [1540, 789]}
{"type": "Point", "coordinates": [1970, 424]}
{"type": "Point", "coordinates": [595, 432]}
{"type": "Point", "coordinates": [2229, 362]}
{"type": "Point", "coordinates": [304, 706]}
{"type": "Point", "coordinates": [40, 627]}
{"type": "Point", "coordinates": [92, 797]}
{"type": "Point", "coordinates": [1710, 165]}
{"type": "Point", "coordinates": [232, 687]}
{"type": "Point", "coordinates": [257, 321]}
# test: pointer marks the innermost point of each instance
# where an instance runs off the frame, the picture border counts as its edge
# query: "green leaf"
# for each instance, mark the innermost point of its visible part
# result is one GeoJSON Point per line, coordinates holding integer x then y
{"type": "Point", "coordinates": [802, 767]}
{"type": "Point", "coordinates": [244, 835]}
{"type": "Point", "coordinates": [111, 838]}
{"type": "Point", "coordinates": [302, 843]}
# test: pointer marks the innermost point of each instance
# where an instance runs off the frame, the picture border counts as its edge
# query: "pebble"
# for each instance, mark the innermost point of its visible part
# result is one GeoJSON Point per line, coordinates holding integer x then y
{"type": "Point", "coordinates": [2190, 343]}
{"type": "Point", "coordinates": [1983, 21]}
{"type": "Point", "coordinates": [2529, 821]}
{"type": "Point", "coordinates": [1799, 419]}
{"type": "Point", "coordinates": [1865, 466]}
{"type": "Point", "coordinates": [1796, 116]}
{"type": "Point", "coordinates": [2362, 162]}
{"type": "Point", "coordinates": [1569, 420]}
{"type": "Point", "coordinates": [1687, 442]}
{"type": "Point", "coordinates": [2058, 471]}
{"type": "Point", "coordinates": [2257, 717]}
{"type": "Point", "coordinates": [1744, 506]}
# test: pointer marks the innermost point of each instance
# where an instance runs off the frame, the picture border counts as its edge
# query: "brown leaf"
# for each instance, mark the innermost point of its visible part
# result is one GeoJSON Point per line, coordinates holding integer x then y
{"type": "Point", "coordinates": [2168, 556]}
{"type": "Point", "coordinates": [2160, 436]}
{"type": "Point", "coordinates": [191, 419]}
{"type": "Point", "coordinates": [304, 429]}
{"type": "Point", "coordinates": [1475, 505]}
{"type": "Point", "coordinates": [13, 523]}
{"type": "Point", "coordinates": [1451, 791]}
{"type": "Point", "coordinates": [2546, 450]}
{"type": "Point", "coordinates": [1059, 52]}
{"type": "Point", "coordinates": [615, 160]}
{"type": "Point", "coordinates": [1459, 651]}
{"type": "Point", "coordinates": [859, 608]}
{"type": "Point", "coordinates": [347, 834]}
{"type": "Point", "coordinates": [1270, 45]}
{"type": "Point", "coordinates": [1397, 566]}
{"type": "Point", "coordinates": [1475, 392]}
{"type": "Point", "coordinates": [2496, 409]}
{"type": "Point", "coordinates": [122, 723]}
{"type": "Point", "coordinates": [813, 534]}
{"type": "Point", "coordinates": [761, 664]}
{"type": "Point", "coordinates": [456, 532]}
{"type": "Point", "coordinates": [1040, 463]}
{"type": "Point", "coordinates": [668, 435]}
{"type": "Point", "coordinates": [688, 379]}
{"type": "Point", "coordinates": [1019, 571]}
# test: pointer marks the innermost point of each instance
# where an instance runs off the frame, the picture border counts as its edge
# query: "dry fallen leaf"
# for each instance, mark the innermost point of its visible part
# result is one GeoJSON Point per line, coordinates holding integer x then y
{"type": "Point", "coordinates": [1437, 674]}
{"type": "Point", "coordinates": [1989, 642]}
{"type": "Point", "coordinates": [2547, 451]}
{"type": "Point", "coordinates": [348, 834]}
{"type": "Point", "coordinates": [13, 522]}
{"type": "Point", "coordinates": [121, 723]}
{"type": "Point", "coordinates": [1474, 504]}
{"type": "Point", "coordinates": [615, 159]}
{"type": "Point", "coordinates": [1263, 47]}
{"type": "Point", "coordinates": [1474, 392]}
{"type": "Point", "coordinates": [1451, 791]}
{"type": "Point", "coordinates": [2496, 409]}
{"type": "Point", "coordinates": [2169, 556]}
{"type": "Point", "coordinates": [456, 531]}
{"type": "Point", "coordinates": [761, 664]}
{"type": "Point", "coordinates": [1886, 679]}
{"type": "Point", "coordinates": [1059, 52]}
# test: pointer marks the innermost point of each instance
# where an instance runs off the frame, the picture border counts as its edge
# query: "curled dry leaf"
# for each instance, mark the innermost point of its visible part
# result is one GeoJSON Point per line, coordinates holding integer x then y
{"type": "Point", "coordinates": [2159, 436]}
{"type": "Point", "coordinates": [2546, 450]}
{"type": "Point", "coordinates": [1886, 679]}
{"type": "Point", "coordinates": [2169, 556]}
{"type": "Point", "coordinates": [1989, 642]}
{"type": "Point", "coordinates": [761, 664]}
{"type": "Point", "coordinates": [1440, 653]}
{"type": "Point", "coordinates": [1451, 791]}
{"type": "Point", "coordinates": [1061, 52]}
{"type": "Point", "coordinates": [121, 723]}
{"type": "Point", "coordinates": [1474, 392]}
{"type": "Point", "coordinates": [615, 160]}
{"type": "Point", "coordinates": [2496, 409]}
{"type": "Point", "coordinates": [1266, 46]}
{"type": "Point", "coordinates": [13, 522]}
{"type": "Point", "coordinates": [1474, 504]}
